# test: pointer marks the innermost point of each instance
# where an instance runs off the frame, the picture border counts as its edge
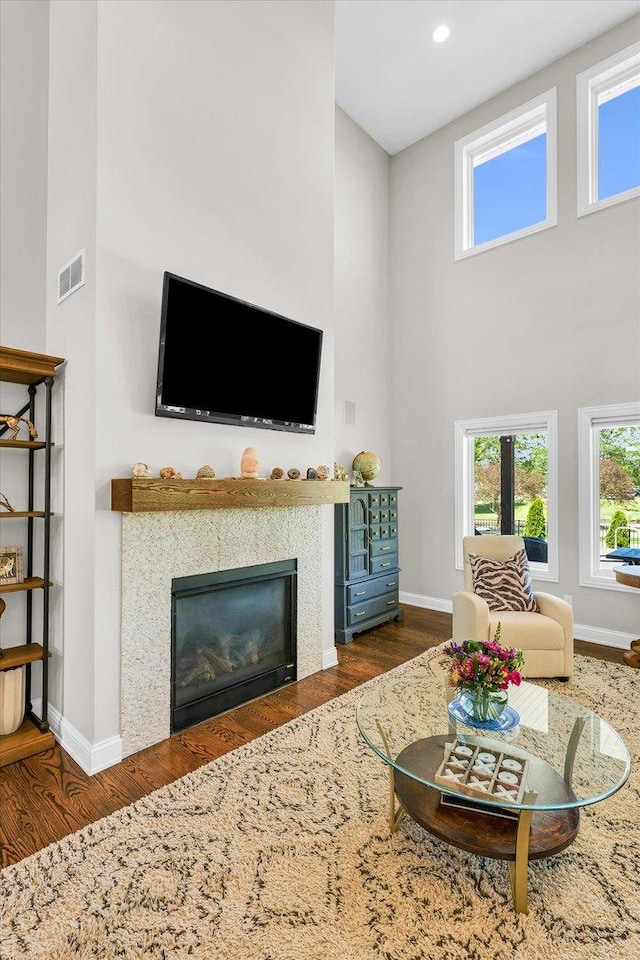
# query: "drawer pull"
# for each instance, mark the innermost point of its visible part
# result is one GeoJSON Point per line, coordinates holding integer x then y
{"type": "Point", "coordinates": [362, 613]}
{"type": "Point", "coordinates": [390, 603]}
{"type": "Point", "coordinates": [392, 583]}
{"type": "Point", "coordinates": [382, 549]}
{"type": "Point", "coordinates": [387, 563]}
{"type": "Point", "coordinates": [360, 593]}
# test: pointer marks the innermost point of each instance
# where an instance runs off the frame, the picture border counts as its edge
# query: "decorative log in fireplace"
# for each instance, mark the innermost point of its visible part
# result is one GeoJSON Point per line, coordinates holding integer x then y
{"type": "Point", "coordinates": [233, 638]}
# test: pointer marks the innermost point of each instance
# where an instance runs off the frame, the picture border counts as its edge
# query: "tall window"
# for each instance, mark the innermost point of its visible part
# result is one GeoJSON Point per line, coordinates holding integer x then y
{"type": "Point", "coordinates": [506, 483]}
{"type": "Point", "coordinates": [609, 440]}
{"type": "Point", "coordinates": [505, 178]}
{"type": "Point", "coordinates": [609, 131]}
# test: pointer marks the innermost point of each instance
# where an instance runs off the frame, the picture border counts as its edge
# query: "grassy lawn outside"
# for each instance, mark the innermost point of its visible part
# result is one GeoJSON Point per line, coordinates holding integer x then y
{"type": "Point", "coordinates": [483, 511]}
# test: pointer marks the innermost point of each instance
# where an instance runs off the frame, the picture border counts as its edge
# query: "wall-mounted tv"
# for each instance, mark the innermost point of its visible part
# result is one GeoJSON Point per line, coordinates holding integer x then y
{"type": "Point", "coordinates": [228, 361]}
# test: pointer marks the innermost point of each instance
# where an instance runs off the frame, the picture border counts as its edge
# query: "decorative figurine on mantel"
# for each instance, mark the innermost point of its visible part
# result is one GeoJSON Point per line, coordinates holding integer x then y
{"type": "Point", "coordinates": [170, 473]}
{"type": "Point", "coordinates": [368, 464]}
{"type": "Point", "coordinates": [293, 473]}
{"type": "Point", "coordinates": [206, 473]}
{"type": "Point", "coordinates": [140, 469]}
{"type": "Point", "coordinates": [311, 473]}
{"type": "Point", "coordinates": [250, 465]}
{"type": "Point", "coordinates": [339, 472]}
{"type": "Point", "coordinates": [323, 472]}
{"type": "Point", "coordinates": [277, 473]}
{"type": "Point", "coordinates": [357, 480]}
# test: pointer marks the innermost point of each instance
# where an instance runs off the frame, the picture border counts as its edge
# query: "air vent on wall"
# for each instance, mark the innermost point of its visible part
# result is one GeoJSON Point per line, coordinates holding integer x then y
{"type": "Point", "coordinates": [71, 276]}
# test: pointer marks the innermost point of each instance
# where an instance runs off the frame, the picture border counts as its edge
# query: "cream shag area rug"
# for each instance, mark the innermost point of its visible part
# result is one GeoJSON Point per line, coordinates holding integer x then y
{"type": "Point", "coordinates": [280, 851]}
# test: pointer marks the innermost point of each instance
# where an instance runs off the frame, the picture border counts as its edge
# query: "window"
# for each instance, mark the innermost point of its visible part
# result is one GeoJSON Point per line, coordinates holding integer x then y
{"type": "Point", "coordinates": [609, 131]}
{"type": "Point", "coordinates": [505, 178]}
{"type": "Point", "coordinates": [506, 482]}
{"type": "Point", "coordinates": [609, 459]}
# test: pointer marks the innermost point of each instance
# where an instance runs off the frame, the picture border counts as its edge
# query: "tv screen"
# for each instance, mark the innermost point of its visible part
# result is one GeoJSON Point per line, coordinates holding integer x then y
{"type": "Point", "coordinates": [227, 361]}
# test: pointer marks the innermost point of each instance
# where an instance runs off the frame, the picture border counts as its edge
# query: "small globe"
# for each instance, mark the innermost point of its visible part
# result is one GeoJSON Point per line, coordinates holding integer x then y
{"type": "Point", "coordinates": [369, 464]}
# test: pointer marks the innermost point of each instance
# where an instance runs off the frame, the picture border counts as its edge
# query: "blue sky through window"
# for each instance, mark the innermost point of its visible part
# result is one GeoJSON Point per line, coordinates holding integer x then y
{"type": "Point", "coordinates": [619, 144]}
{"type": "Point", "coordinates": [510, 191]}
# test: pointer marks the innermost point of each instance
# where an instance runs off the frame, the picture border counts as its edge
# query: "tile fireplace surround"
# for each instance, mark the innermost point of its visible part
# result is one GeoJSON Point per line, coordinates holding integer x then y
{"type": "Point", "coordinates": [159, 546]}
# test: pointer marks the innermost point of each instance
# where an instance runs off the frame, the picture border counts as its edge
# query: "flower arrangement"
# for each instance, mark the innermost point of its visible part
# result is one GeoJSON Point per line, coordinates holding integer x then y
{"type": "Point", "coordinates": [483, 663]}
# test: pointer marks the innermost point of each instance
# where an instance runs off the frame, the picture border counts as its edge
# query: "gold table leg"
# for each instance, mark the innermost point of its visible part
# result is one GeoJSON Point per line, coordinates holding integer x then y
{"type": "Point", "coordinates": [518, 867]}
{"type": "Point", "coordinates": [572, 747]}
{"type": "Point", "coordinates": [396, 813]}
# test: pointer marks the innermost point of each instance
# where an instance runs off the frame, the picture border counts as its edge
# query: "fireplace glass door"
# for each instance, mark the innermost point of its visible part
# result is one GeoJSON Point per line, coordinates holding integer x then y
{"type": "Point", "coordinates": [233, 638]}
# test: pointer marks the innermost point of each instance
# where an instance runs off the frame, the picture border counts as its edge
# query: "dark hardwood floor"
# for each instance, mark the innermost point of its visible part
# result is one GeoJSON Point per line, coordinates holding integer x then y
{"type": "Point", "coordinates": [48, 796]}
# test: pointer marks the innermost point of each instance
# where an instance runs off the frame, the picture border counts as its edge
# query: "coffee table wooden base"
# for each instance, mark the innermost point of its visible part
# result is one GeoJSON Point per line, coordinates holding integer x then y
{"type": "Point", "coordinates": [534, 835]}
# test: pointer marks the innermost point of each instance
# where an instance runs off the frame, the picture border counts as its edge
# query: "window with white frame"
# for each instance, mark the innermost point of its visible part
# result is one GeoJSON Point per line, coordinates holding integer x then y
{"type": "Point", "coordinates": [506, 178]}
{"type": "Point", "coordinates": [609, 466]}
{"type": "Point", "coordinates": [608, 115]}
{"type": "Point", "coordinates": [506, 482]}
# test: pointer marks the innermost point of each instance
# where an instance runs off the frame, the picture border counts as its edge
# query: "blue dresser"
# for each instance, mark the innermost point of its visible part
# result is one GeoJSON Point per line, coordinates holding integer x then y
{"type": "Point", "coordinates": [366, 561]}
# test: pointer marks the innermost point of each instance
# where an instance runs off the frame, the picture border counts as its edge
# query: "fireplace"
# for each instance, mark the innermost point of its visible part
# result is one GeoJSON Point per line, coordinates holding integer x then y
{"type": "Point", "coordinates": [233, 638]}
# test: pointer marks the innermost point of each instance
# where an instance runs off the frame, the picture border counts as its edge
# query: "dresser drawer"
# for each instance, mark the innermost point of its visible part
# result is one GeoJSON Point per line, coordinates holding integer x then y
{"type": "Point", "coordinates": [361, 612]}
{"type": "Point", "coordinates": [384, 545]}
{"type": "Point", "coordinates": [360, 592]}
{"type": "Point", "coordinates": [385, 562]}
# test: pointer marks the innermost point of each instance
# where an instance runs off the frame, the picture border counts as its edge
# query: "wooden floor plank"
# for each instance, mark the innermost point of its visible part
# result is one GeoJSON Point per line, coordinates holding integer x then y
{"type": "Point", "coordinates": [47, 796]}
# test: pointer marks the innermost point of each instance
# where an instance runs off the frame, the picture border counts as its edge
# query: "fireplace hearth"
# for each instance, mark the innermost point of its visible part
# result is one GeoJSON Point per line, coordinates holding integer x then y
{"type": "Point", "coordinates": [233, 638]}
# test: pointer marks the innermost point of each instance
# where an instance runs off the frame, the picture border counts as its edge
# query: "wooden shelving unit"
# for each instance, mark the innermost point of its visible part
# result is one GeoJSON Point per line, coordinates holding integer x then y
{"type": "Point", "coordinates": [32, 370]}
{"type": "Point", "coordinates": [29, 583]}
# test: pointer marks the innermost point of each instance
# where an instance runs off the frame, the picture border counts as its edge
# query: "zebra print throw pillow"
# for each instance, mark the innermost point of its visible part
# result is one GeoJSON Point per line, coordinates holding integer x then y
{"type": "Point", "coordinates": [504, 584]}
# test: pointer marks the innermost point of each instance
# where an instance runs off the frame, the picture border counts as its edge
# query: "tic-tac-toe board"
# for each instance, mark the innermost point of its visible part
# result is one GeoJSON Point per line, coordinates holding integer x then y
{"type": "Point", "coordinates": [483, 772]}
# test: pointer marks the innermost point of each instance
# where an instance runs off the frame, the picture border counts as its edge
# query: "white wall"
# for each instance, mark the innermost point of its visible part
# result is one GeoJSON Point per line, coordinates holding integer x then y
{"type": "Point", "coordinates": [538, 324]}
{"type": "Point", "coordinates": [24, 60]}
{"type": "Point", "coordinates": [24, 42]}
{"type": "Point", "coordinates": [215, 148]}
{"type": "Point", "coordinates": [71, 334]}
{"type": "Point", "coordinates": [361, 308]}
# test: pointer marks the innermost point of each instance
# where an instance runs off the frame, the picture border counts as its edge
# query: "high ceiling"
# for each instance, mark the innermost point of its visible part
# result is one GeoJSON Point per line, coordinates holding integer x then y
{"type": "Point", "coordinates": [396, 83]}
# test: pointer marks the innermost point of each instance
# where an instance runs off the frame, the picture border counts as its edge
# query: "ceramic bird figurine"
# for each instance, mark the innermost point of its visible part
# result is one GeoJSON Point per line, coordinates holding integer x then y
{"type": "Point", "coordinates": [206, 473]}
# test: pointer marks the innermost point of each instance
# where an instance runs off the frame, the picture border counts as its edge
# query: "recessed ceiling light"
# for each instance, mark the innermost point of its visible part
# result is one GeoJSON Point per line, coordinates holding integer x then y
{"type": "Point", "coordinates": [441, 33]}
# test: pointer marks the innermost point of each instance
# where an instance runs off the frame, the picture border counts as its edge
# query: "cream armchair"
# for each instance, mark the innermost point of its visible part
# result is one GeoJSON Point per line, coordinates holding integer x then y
{"type": "Point", "coordinates": [545, 637]}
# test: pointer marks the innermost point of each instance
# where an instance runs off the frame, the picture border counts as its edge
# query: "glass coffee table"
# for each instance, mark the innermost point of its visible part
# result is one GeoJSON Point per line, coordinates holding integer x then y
{"type": "Point", "coordinates": [570, 756]}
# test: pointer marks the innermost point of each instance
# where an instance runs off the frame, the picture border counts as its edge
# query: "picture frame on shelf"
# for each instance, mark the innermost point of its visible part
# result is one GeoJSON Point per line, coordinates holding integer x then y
{"type": "Point", "coordinates": [11, 565]}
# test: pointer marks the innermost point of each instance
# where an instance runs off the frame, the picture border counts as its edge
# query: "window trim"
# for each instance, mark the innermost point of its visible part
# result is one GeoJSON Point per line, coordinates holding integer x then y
{"type": "Point", "coordinates": [590, 84]}
{"type": "Point", "coordinates": [589, 419]}
{"type": "Point", "coordinates": [465, 431]}
{"type": "Point", "coordinates": [511, 128]}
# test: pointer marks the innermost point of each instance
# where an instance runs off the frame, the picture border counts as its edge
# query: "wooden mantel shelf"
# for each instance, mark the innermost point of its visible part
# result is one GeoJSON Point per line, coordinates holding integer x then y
{"type": "Point", "coordinates": [134, 495]}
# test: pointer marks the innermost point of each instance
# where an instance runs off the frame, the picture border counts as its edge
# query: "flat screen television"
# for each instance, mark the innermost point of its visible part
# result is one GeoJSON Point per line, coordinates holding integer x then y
{"type": "Point", "coordinates": [227, 361]}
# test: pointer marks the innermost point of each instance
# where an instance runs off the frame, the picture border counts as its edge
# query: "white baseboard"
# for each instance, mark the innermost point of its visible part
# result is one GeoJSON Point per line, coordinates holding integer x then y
{"type": "Point", "coordinates": [606, 638]}
{"type": "Point", "coordinates": [92, 757]}
{"type": "Point", "coordinates": [329, 658]}
{"type": "Point", "coordinates": [429, 603]}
